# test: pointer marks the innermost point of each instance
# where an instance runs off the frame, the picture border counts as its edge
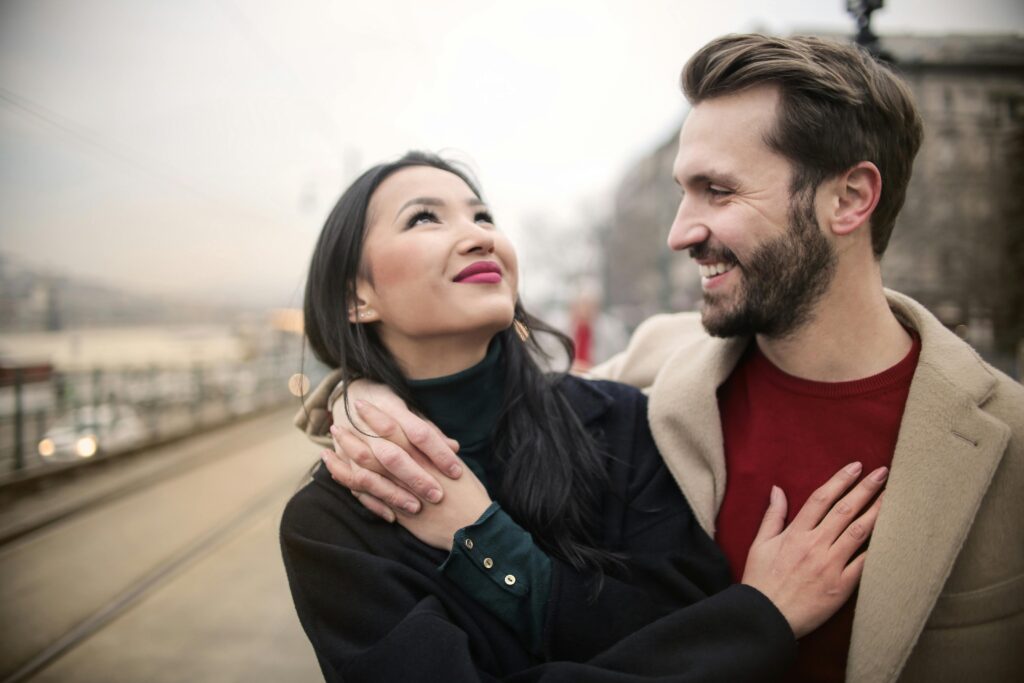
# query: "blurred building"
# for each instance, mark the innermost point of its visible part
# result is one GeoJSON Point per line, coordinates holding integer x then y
{"type": "Point", "coordinates": [958, 246]}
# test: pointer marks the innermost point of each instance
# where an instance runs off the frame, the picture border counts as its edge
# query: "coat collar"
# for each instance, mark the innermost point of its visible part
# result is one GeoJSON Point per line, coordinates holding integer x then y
{"type": "Point", "coordinates": [314, 417]}
{"type": "Point", "coordinates": [946, 453]}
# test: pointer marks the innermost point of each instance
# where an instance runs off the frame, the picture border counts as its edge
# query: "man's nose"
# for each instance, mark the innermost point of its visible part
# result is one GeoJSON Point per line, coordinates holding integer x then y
{"type": "Point", "coordinates": [687, 229]}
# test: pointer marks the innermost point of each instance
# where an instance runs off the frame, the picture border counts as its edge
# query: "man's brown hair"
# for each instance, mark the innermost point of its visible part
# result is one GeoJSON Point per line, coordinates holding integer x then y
{"type": "Point", "coordinates": [838, 107]}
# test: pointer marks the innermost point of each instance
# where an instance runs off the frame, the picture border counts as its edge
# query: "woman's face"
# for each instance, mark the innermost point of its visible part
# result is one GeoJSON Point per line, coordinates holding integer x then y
{"type": "Point", "coordinates": [434, 265]}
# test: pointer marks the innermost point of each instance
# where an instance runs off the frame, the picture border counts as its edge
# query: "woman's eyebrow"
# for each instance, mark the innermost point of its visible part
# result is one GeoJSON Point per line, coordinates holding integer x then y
{"type": "Point", "coordinates": [428, 201]}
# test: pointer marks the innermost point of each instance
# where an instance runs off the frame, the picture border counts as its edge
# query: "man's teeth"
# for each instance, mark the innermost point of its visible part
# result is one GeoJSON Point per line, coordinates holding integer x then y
{"type": "Point", "coordinates": [714, 269]}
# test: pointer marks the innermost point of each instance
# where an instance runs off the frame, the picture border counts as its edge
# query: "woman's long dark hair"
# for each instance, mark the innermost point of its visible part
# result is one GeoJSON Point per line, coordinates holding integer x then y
{"type": "Point", "coordinates": [554, 474]}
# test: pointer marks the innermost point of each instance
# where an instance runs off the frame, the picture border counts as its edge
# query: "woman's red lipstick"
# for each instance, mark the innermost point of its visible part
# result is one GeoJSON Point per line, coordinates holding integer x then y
{"type": "Point", "coordinates": [481, 272]}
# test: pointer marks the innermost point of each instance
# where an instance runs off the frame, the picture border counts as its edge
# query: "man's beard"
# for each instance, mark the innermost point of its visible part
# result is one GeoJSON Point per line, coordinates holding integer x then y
{"type": "Point", "coordinates": [781, 281]}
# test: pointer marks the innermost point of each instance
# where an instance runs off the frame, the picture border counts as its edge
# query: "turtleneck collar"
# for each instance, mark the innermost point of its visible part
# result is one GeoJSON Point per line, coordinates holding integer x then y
{"type": "Point", "coordinates": [465, 406]}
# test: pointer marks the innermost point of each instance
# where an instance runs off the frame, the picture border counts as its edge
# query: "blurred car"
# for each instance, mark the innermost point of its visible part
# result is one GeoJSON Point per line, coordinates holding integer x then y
{"type": "Point", "coordinates": [89, 430]}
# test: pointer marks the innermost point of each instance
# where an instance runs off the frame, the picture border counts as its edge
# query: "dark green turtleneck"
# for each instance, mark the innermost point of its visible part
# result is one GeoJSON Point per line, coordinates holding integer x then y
{"type": "Point", "coordinates": [465, 406]}
{"type": "Point", "coordinates": [494, 560]}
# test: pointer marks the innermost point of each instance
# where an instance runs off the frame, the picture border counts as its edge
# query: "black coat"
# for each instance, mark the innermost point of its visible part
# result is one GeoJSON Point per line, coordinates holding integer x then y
{"type": "Point", "coordinates": [376, 608]}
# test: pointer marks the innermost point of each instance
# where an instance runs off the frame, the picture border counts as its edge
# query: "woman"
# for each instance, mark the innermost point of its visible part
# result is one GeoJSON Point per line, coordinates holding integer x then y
{"type": "Point", "coordinates": [566, 551]}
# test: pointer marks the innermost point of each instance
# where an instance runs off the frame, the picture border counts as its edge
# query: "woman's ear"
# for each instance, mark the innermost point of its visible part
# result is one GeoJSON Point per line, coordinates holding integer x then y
{"type": "Point", "coordinates": [363, 311]}
{"type": "Point", "coordinates": [857, 192]}
{"type": "Point", "coordinates": [362, 314]}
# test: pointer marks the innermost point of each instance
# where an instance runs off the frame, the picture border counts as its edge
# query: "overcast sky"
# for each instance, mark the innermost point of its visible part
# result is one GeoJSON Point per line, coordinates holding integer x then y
{"type": "Point", "coordinates": [194, 147]}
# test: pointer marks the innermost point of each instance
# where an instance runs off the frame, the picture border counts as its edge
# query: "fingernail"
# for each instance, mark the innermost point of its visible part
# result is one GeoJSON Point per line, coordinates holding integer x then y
{"type": "Point", "coordinates": [334, 430]}
{"type": "Point", "coordinates": [411, 507]}
{"type": "Point", "coordinates": [880, 474]}
{"type": "Point", "coordinates": [434, 495]}
{"type": "Point", "coordinates": [854, 468]}
{"type": "Point", "coordinates": [324, 455]}
{"type": "Point", "coordinates": [774, 496]}
{"type": "Point", "coordinates": [389, 517]}
{"type": "Point", "coordinates": [454, 470]}
{"type": "Point", "coordinates": [360, 403]}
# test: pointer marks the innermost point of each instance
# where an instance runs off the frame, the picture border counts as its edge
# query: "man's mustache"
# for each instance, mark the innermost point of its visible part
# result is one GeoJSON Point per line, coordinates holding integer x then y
{"type": "Point", "coordinates": [706, 252]}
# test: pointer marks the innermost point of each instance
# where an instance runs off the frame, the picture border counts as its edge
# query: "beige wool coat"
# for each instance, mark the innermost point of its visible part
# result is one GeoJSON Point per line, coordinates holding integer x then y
{"type": "Point", "coordinates": [942, 596]}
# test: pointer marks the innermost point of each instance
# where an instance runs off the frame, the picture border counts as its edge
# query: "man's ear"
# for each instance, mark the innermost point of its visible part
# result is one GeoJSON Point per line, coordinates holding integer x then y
{"type": "Point", "coordinates": [363, 310]}
{"type": "Point", "coordinates": [856, 194]}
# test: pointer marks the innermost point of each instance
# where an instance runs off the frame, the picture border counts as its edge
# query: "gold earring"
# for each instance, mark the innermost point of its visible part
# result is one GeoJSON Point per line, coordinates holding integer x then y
{"type": "Point", "coordinates": [521, 329]}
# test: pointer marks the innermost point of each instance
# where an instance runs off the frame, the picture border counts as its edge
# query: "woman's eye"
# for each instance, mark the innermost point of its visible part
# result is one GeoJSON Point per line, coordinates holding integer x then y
{"type": "Point", "coordinates": [484, 217]}
{"type": "Point", "coordinates": [422, 217]}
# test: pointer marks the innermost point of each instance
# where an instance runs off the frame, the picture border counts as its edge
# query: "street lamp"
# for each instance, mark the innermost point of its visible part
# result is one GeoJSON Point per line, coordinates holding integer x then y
{"type": "Point", "coordinates": [861, 11]}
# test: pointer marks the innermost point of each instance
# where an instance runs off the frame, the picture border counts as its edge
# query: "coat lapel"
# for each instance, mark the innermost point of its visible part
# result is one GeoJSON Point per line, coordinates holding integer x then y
{"type": "Point", "coordinates": [946, 454]}
{"type": "Point", "coordinates": [684, 419]}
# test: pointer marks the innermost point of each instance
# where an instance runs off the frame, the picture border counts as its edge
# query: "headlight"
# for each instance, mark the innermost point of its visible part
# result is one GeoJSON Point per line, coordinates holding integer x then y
{"type": "Point", "coordinates": [46, 448]}
{"type": "Point", "coordinates": [86, 446]}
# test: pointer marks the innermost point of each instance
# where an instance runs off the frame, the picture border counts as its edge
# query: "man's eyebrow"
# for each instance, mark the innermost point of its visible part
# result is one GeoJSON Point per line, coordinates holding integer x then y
{"type": "Point", "coordinates": [709, 177]}
{"type": "Point", "coordinates": [434, 201]}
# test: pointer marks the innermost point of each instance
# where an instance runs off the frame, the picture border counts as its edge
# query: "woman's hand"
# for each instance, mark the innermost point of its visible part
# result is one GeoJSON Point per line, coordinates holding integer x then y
{"type": "Point", "coordinates": [805, 569]}
{"type": "Point", "coordinates": [464, 501]}
{"type": "Point", "coordinates": [391, 467]}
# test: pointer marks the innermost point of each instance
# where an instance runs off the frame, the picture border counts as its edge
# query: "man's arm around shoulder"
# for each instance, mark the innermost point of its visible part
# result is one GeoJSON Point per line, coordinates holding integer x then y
{"type": "Point", "coordinates": [653, 342]}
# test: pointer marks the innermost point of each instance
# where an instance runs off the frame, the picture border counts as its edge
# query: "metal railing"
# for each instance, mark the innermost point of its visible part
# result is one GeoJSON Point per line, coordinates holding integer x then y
{"type": "Point", "coordinates": [45, 415]}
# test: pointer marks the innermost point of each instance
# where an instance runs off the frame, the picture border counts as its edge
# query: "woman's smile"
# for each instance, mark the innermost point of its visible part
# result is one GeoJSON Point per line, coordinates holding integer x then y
{"type": "Point", "coordinates": [481, 272]}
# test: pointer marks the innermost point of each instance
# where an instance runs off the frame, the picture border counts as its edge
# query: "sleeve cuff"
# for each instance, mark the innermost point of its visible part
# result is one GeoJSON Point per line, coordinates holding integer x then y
{"type": "Point", "coordinates": [494, 552]}
{"type": "Point", "coordinates": [497, 564]}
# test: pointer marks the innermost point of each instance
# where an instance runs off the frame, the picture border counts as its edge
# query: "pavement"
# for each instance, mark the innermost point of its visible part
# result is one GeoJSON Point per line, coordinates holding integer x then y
{"type": "Point", "coordinates": [179, 580]}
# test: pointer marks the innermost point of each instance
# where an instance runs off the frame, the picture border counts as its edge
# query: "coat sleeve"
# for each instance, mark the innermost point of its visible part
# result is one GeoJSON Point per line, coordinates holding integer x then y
{"type": "Point", "coordinates": [672, 578]}
{"type": "Point", "coordinates": [370, 618]}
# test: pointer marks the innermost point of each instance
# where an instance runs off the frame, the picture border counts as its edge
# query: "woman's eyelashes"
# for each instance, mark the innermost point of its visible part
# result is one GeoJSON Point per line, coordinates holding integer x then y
{"type": "Point", "coordinates": [424, 216]}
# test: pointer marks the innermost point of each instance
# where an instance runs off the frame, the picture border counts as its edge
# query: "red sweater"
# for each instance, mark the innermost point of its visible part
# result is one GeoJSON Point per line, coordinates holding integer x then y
{"type": "Point", "coordinates": [795, 433]}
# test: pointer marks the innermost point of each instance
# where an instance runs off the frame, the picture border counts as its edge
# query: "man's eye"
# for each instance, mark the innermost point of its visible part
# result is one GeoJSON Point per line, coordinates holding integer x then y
{"type": "Point", "coordinates": [421, 217]}
{"type": "Point", "coordinates": [717, 191]}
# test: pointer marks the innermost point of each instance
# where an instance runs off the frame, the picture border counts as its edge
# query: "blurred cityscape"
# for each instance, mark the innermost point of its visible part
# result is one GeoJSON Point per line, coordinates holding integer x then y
{"type": "Point", "coordinates": [87, 371]}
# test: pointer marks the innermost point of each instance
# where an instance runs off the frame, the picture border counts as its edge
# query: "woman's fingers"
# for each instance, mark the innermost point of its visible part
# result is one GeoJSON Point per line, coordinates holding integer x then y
{"type": "Point", "coordinates": [821, 501]}
{"type": "Point", "coordinates": [856, 533]}
{"type": "Point", "coordinates": [341, 472]}
{"type": "Point", "coordinates": [347, 472]}
{"type": "Point", "coordinates": [450, 442]}
{"type": "Point", "coordinates": [382, 456]}
{"type": "Point", "coordinates": [840, 517]}
{"type": "Point", "coordinates": [405, 428]}
{"type": "Point", "coordinates": [375, 506]}
{"type": "Point", "coordinates": [774, 517]}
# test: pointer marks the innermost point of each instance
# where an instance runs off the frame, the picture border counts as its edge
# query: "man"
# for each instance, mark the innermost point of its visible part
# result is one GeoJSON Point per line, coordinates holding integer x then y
{"type": "Point", "coordinates": [793, 165]}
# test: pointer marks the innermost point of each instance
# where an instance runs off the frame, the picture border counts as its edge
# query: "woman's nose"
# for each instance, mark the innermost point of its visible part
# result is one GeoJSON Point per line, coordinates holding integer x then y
{"type": "Point", "coordinates": [479, 239]}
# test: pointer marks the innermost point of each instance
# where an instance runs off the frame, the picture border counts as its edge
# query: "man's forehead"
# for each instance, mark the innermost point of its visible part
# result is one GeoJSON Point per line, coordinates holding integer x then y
{"type": "Point", "coordinates": [722, 136]}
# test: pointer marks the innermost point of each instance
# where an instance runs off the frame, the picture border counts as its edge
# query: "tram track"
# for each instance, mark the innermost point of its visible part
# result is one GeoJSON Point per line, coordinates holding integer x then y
{"type": "Point", "coordinates": [157, 577]}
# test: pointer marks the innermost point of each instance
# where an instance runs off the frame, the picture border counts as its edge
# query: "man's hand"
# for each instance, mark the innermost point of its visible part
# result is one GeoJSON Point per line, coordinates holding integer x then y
{"type": "Point", "coordinates": [805, 569]}
{"type": "Point", "coordinates": [383, 458]}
